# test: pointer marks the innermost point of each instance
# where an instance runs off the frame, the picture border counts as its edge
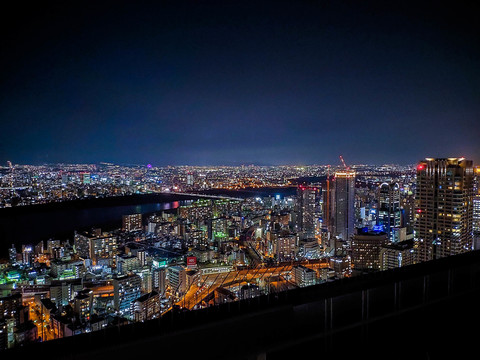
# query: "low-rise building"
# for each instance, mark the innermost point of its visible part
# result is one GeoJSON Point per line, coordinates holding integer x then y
{"type": "Point", "coordinates": [397, 255]}
{"type": "Point", "coordinates": [303, 276]}
{"type": "Point", "coordinates": [147, 307]}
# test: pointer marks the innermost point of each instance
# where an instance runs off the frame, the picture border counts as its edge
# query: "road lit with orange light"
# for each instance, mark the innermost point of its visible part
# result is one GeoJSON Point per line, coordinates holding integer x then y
{"type": "Point", "coordinates": [208, 283]}
{"type": "Point", "coordinates": [43, 324]}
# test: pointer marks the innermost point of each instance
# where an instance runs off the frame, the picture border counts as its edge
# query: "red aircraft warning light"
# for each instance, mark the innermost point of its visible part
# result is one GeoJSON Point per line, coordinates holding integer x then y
{"type": "Point", "coordinates": [420, 166]}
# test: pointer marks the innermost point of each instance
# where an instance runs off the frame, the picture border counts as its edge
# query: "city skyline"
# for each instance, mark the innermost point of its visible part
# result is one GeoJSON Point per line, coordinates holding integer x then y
{"type": "Point", "coordinates": [266, 83]}
{"type": "Point", "coordinates": [239, 179]}
{"type": "Point", "coordinates": [115, 247]}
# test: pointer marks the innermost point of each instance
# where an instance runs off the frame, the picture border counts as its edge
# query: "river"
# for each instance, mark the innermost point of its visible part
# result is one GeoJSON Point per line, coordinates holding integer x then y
{"type": "Point", "coordinates": [31, 224]}
{"type": "Point", "coordinates": [31, 227]}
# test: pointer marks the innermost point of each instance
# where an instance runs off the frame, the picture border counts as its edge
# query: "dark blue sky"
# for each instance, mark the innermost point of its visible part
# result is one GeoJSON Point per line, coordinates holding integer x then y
{"type": "Point", "coordinates": [234, 82]}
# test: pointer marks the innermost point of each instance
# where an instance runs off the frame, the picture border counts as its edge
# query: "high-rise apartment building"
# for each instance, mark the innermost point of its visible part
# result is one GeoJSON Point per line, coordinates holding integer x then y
{"type": "Point", "coordinates": [103, 247]}
{"type": "Point", "coordinates": [306, 203]}
{"type": "Point", "coordinates": [132, 222]}
{"type": "Point", "coordinates": [388, 210]}
{"type": "Point", "coordinates": [177, 279]}
{"type": "Point", "coordinates": [159, 280]}
{"type": "Point", "coordinates": [476, 222]}
{"type": "Point", "coordinates": [96, 246]}
{"type": "Point", "coordinates": [344, 218]}
{"type": "Point", "coordinates": [444, 207]}
{"type": "Point", "coordinates": [127, 263]}
{"type": "Point", "coordinates": [147, 307]}
{"type": "Point", "coordinates": [126, 289]}
{"type": "Point", "coordinates": [285, 247]}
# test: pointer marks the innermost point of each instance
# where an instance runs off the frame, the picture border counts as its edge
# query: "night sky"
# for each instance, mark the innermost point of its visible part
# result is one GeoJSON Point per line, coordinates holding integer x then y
{"type": "Point", "coordinates": [239, 82]}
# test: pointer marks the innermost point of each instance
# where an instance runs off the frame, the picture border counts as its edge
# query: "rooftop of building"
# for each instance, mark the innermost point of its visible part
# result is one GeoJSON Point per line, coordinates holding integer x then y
{"type": "Point", "coordinates": [48, 304]}
{"type": "Point", "coordinates": [81, 296]}
{"type": "Point", "coordinates": [370, 232]}
{"type": "Point", "coordinates": [145, 297]}
{"type": "Point", "coordinates": [304, 268]}
{"type": "Point", "coordinates": [225, 292]}
{"type": "Point", "coordinates": [402, 245]}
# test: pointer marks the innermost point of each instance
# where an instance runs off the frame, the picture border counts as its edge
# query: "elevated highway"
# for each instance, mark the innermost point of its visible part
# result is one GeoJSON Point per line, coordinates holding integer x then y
{"type": "Point", "coordinates": [208, 283]}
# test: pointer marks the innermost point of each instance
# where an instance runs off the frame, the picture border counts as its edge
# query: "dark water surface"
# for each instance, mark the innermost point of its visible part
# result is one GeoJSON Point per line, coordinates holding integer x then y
{"type": "Point", "coordinates": [30, 224]}
{"type": "Point", "coordinates": [29, 227]}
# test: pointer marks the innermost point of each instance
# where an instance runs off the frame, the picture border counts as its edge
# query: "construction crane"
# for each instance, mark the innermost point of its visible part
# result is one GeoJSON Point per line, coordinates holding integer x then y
{"type": "Point", "coordinates": [343, 162]}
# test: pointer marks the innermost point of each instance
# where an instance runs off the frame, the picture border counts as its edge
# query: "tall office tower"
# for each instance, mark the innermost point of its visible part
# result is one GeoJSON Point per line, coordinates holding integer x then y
{"type": "Point", "coordinates": [344, 218]}
{"type": "Point", "coordinates": [388, 210]}
{"type": "Point", "coordinates": [408, 211]}
{"type": "Point", "coordinates": [132, 222]}
{"type": "Point", "coordinates": [328, 209]}
{"type": "Point", "coordinates": [306, 197]}
{"type": "Point", "coordinates": [444, 208]}
{"type": "Point", "coordinates": [126, 289]}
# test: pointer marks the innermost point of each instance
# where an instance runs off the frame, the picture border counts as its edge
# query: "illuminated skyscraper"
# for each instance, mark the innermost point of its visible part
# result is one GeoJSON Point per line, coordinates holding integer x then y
{"type": "Point", "coordinates": [328, 210]}
{"type": "Point", "coordinates": [476, 222]}
{"type": "Point", "coordinates": [389, 214]}
{"type": "Point", "coordinates": [344, 218]}
{"type": "Point", "coordinates": [444, 208]}
{"type": "Point", "coordinates": [306, 202]}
